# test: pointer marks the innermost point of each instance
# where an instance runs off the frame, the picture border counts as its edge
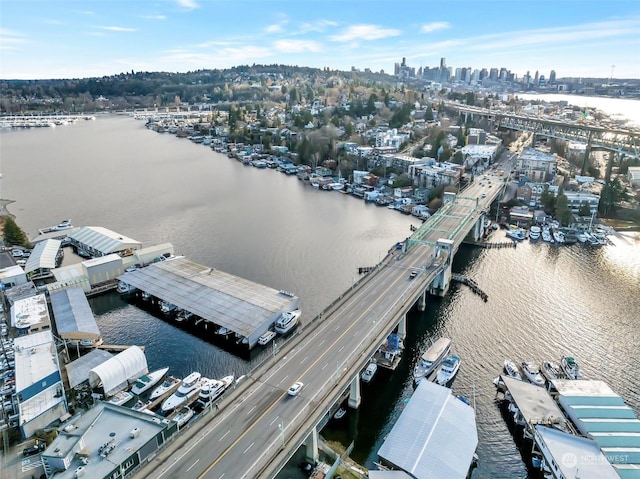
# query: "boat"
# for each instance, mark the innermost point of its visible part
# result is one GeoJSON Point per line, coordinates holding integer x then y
{"type": "Point", "coordinates": [121, 398]}
{"type": "Point", "coordinates": [546, 235]}
{"type": "Point", "coordinates": [266, 337]}
{"type": "Point", "coordinates": [368, 373]}
{"type": "Point", "coordinates": [146, 382]}
{"type": "Point", "coordinates": [448, 370]}
{"type": "Point", "coordinates": [581, 236]}
{"type": "Point", "coordinates": [534, 233]}
{"type": "Point", "coordinates": [558, 236]}
{"type": "Point", "coordinates": [212, 389]}
{"type": "Point", "coordinates": [532, 373]}
{"type": "Point", "coordinates": [163, 388]}
{"type": "Point", "coordinates": [222, 331]}
{"type": "Point", "coordinates": [183, 315]}
{"type": "Point", "coordinates": [123, 288]}
{"type": "Point", "coordinates": [511, 369]}
{"type": "Point", "coordinates": [166, 307]}
{"type": "Point", "coordinates": [431, 358]}
{"type": "Point", "coordinates": [340, 413]}
{"type": "Point", "coordinates": [287, 321]}
{"type": "Point", "coordinates": [63, 225]}
{"type": "Point", "coordinates": [183, 416]}
{"type": "Point", "coordinates": [552, 370]}
{"type": "Point", "coordinates": [516, 234]}
{"type": "Point", "coordinates": [189, 385]}
{"type": "Point", "coordinates": [145, 296]}
{"type": "Point", "coordinates": [570, 367]}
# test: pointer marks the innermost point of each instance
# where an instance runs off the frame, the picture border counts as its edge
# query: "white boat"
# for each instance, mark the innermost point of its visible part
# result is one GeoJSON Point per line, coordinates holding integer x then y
{"type": "Point", "coordinates": [212, 389]}
{"type": "Point", "coordinates": [532, 373]}
{"type": "Point", "coordinates": [581, 236]}
{"type": "Point", "coordinates": [368, 373]}
{"type": "Point", "coordinates": [222, 331]}
{"type": "Point", "coordinates": [431, 358]}
{"type": "Point", "coordinates": [546, 236]}
{"type": "Point", "coordinates": [183, 416]}
{"type": "Point", "coordinates": [189, 384]}
{"type": "Point", "coordinates": [163, 388]}
{"type": "Point", "coordinates": [167, 308]}
{"type": "Point", "coordinates": [287, 321]}
{"type": "Point", "coordinates": [511, 369]}
{"type": "Point", "coordinates": [534, 233]}
{"type": "Point", "coordinates": [516, 234]}
{"type": "Point", "coordinates": [553, 370]}
{"type": "Point", "coordinates": [123, 288]}
{"type": "Point", "coordinates": [340, 413]}
{"type": "Point", "coordinates": [448, 370]}
{"type": "Point", "coordinates": [121, 398]}
{"type": "Point", "coordinates": [145, 296]}
{"type": "Point", "coordinates": [183, 315]}
{"type": "Point", "coordinates": [558, 236]}
{"type": "Point", "coordinates": [570, 367]}
{"type": "Point", "coordinates": [63, 225]}
{"type": "Point", "coordinates": [146, 382]}
{"type": "Point", "coordinates": [266, 337]}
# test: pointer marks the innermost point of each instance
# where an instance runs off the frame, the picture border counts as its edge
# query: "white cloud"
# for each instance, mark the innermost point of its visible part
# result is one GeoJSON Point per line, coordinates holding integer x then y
{"type": "Point", "coordinates": [297, 46]}
{"type": "Point", "coordinates": [181, 59]}
{"type": "Point", "coordinates": [154, 17]}
{"type": "Point", "coordinates": [434, 26]}
{"type": "Point", "coordinates": [9, 39]}
{"type": "Point", "coordinates": [118, 29]}
{"type": "Point", "coordinates": [275, 28]}
{"type": "Point", "coordinates": [188, 4]}
{"type": "Point", "coordinates": [317, 26]}
{"type": "Point", "coordinates": [365, 32]}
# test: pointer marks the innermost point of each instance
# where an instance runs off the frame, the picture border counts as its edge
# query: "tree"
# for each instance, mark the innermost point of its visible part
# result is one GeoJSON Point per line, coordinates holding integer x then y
{"type": "Point", "coordinates": [584, 209]}
{"type": "Point", "coordinates": [13, 234]}
{"type": "Point", "coordinates": [563, 213]}
{"type": "Point", "coordinates": [548, 200]}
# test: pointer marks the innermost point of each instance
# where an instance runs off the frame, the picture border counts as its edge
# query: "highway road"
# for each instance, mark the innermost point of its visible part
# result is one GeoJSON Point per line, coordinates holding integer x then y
{"type": "Point", "coordinates": [255, 429]}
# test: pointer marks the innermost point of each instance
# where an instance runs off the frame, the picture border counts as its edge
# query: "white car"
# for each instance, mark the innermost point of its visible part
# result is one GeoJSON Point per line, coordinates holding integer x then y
{"type": "Point", "coordinates": [295, 388]}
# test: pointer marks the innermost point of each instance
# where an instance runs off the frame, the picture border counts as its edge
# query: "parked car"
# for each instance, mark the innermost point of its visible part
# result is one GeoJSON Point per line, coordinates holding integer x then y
{"type": "Point", "coordinates": [36, 448]}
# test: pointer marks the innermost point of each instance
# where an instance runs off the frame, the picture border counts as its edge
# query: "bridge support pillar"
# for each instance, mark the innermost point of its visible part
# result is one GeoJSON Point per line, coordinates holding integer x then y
{"type": "Point", "coordinates": [311, 444]}
{"type": "Point", "coordinates": [354, 393]}
{"type": "Point", "coordinates": [440, 284]}
{"type": "Point", "coordinates": [422, 301]}
{"type": "Point", "coordinates": [478, 229]}
{"type": "Point", "coordinates": [402, 327]}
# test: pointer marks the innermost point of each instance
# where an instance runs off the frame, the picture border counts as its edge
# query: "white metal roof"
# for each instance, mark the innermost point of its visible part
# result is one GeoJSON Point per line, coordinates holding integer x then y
{"type": "Point", "coordinates": [534, 402]}
{"type": "Point", "coordinates": [114, 374]}
{"type": "Point", "coordinates": [43, 255]}
{"type": "Point", "coordinates": [30, 311]}
{"type": "Point", "coordinates": [73, 316]}
{"type": "Point", "coordinates": [575, 456]}
{"type": "Point", "coordinates": [78, 370]}
{"type": "Point", "coordinates": [35, 357]}
{"type": "Point", "coordinates": [435, 436]}
{"type": "Point", "coordinates": [103, 239]}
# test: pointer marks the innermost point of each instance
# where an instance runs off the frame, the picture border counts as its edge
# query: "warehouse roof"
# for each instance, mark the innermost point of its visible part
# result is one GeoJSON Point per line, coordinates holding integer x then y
{"type": "Point", "coordinates": [114, 374]}
{"type": "Point", "coordinates": [422, 440]}
{"type": "Point", "coordinates": [43, 256]}
{"type": "Point", "coordinates": [227, 300]}
{"type": "Point", "coordinates": [78, 370]}
{"type": "Point", "coordinates": [73, 316]}
{"type": "Point", "coordinates": [103, 240]}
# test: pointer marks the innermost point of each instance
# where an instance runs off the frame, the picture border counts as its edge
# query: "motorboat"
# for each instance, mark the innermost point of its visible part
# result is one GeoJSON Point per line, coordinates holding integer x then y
{"type": "Point", "coordinates": [183, 417]}
{"type": "Point", "coordinates": [222, 331]}
{"type": "Point", "coordinates": [534, 233]}
{"type": "Point", "coordinates": [581, 236]}
{"type": "Point", "coordinates": [146, 382]}
{"type": "Point", "coordinates": [546, 236]}
{"type": "Point", "coordinates": [167, 308]}
{"type": "Point", "coordinates": [553, 371]}
{"type": "Point", "coordinates": [431, 358]}
{"type": "Point", "coordinates": [532, 373]}
{"type": "Point", "coordinates": [212, 389]}
{"type": "Point", "coordinates": [287, 321]}
{"type": "Point", "coordinates": [121, 398]}
{"type": "Point", "coordinates": [558, 236]}
{"type": "Point", "coordinates": [511, 369]}
{"type": "Point", "coordinates": [368, 373]}
{"type": "Point", "coordinates": [448, 370]}
{"type": "Point", "coordinates": [166, 385]}
{"type": "Point", "coordinates": [516, 234]}
{"type": "Point", "coordinates": [190, 386]}
{"type": "Point", "coordinates": [145, 296]}
{"type": "Point", "coordinates": [266, 338]}
{"type": "Point", "coordinates": [340, 413]}
{"type": "Point", "coordinates": [63, 225]}
{"type": "Point", "coordinates": [570, 367]}
{"type": "Point", "coordinates": [183, 315]}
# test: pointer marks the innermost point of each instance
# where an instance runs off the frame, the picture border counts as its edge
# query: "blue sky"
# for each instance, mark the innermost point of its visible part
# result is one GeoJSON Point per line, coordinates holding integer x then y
{"type": "Point", "coordinates": [84, 38]}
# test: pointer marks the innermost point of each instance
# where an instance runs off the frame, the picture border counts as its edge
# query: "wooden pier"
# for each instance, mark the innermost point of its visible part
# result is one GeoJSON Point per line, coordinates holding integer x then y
{"type": "Point", "coordinates": [115, 348]}
{"type": "Point", "coordinates": [460, 278]}
{"type": "Point", "coordinates": [507, 244]}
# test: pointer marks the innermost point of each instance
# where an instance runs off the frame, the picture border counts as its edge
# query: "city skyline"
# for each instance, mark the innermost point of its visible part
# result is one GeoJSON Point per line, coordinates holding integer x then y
{"type": "Point", "coordinates": [40, 40]}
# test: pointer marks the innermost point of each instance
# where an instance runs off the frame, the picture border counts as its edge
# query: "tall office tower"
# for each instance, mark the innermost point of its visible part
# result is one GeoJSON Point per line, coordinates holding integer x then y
{"type": "Point", "coordinates": [493, 74]}
{"type": "Point", "coordinates": [536, 79]}
{"type": "Point", "coordinates": [396, 69]}
{"type": "Point", "coordinates": [404, 62]}
{"type": "Point", "coordinates": [503, 74]}
{"type": "Point", "coordinates": [483, 74]}
{"type": "Point", "coordinates": [458, 76]}
{"type": "Point", "coordinates": [552, 77]}
{"type": "Point", "coordinates": [443, 63]}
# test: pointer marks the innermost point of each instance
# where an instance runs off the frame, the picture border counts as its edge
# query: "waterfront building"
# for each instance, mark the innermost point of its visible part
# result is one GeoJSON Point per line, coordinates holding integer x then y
{"type": "Point", "coordinates": [575, 200]}
{"type": "Point", "coordinates": [600, 414]}
{"type": "Point", "coordinates": [46, 255]}
{"type": "Point", "coordinates": [479, 155]}
{"type": "Point", "coordinates": [107, 441]}
{"type": "Point", "coordinates": [73, 317]}
{"type": "Point", "coordinates": [12, 275]}
{"type": "Point", "coordinates": [30, 315]}
{"type": "Point", "coordinates": [537, 165]}
{"type": "Point", "coordinates": [40, 398]}
{"type": "Point", "coordinates": [88, 274]}
{"type": "Point", "coordinates": [435, 436]}
{"type": "Point", "coordinates": [95, 241]}
{"type": "Point", "coordinates": [430, 174]}
{"type": "Point", "coordinates": [531, 192]}
{"type": "Point", "coordinates": [114, 374]}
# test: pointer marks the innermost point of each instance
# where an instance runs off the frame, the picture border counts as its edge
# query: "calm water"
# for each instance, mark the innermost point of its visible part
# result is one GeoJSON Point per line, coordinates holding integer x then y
{"type": "Point", "coordinates": [544, 301]}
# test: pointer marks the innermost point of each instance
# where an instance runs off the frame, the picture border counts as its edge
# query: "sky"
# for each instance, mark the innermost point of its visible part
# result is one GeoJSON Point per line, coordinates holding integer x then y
{"type": "Point", "coordinates": [43, 39]}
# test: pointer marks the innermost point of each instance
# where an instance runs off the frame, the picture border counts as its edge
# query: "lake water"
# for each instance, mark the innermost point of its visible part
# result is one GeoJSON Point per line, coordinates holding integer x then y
{"type": "Point", "coordinates": [544, 301]}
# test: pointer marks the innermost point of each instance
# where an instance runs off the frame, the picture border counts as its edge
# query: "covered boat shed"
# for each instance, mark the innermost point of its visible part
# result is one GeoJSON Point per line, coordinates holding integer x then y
{"type": "Point", "coordinates": [44, 258]}
{"type": "Point", "coordinates": [98, 241]}
{"type": "Point", "coordinates": [73, 316]}
{"type": "Point", "coordinates": [115, 374]}
{"type": "Point", "coordinates": [240, 305]}
{"type": "Point", "coordinates": [422, 441]}
{"type": "Point", "coordinates": [78, 370]}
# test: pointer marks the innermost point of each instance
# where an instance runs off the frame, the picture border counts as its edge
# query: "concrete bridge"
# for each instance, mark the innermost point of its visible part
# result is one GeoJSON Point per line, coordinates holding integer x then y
{"type": "Point", "coordinates": [259, 426]}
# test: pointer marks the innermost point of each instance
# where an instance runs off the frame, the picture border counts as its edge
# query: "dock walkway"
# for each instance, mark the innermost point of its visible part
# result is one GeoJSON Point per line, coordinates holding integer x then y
{"type": "Point", "coordinates": [460, 278]}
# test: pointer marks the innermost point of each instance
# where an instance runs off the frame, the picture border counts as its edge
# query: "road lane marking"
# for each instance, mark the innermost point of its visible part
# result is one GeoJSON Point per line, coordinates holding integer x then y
{"type": "Point", "coordinates": [340, 350]}
{"type": "Point", "coordinates": [224, 435]}
{"type": "Point", "coordinates": [250, 446]}
{"type": "Point", "coordinates": [274, 420]}
{"type": "Point", "coordinates": [251, 410]}
{"type": "Point", "coordinates": [304, 359]}
{"type": "Point", "coordinates": [324, 366]}
{"type": "Point", "coordinates": [191, 466]}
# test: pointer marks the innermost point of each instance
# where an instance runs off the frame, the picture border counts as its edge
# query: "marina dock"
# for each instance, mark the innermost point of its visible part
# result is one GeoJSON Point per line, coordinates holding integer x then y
{"type": "Point", "coordinates": [116, 348]}
{"type": "Point", "coordinates": [460, 278]}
